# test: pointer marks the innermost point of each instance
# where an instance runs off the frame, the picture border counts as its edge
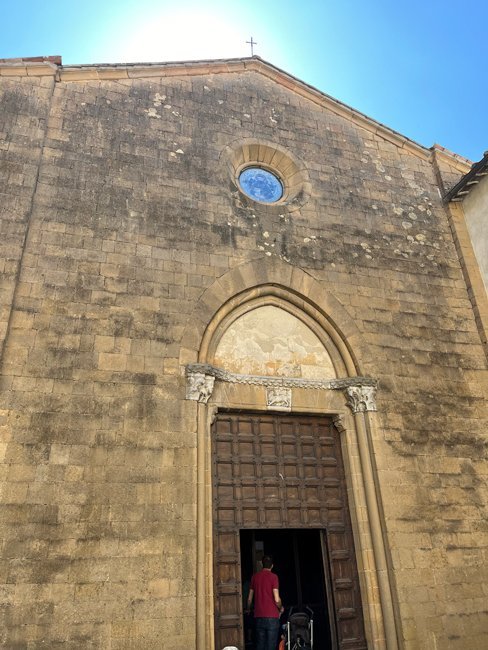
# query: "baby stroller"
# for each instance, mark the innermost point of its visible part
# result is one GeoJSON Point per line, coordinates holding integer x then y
{"type": "Point", "coordinates": [299, 629]}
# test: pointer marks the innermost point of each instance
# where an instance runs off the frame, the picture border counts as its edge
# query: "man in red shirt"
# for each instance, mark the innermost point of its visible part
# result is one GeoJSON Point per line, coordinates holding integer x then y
{"type": "Point", "coordinates": [267, 605]}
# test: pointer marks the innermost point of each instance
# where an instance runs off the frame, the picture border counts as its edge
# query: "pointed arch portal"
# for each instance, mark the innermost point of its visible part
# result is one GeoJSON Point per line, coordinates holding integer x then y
{"type": "Point", "coordinates": [281, 405]}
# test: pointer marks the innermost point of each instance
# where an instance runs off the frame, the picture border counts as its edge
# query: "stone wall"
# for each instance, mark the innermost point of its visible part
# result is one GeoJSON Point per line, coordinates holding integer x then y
{"type": "Point", "coordinates": [132, 213]}
{"type": "Point", "coordinates": [25, 105]}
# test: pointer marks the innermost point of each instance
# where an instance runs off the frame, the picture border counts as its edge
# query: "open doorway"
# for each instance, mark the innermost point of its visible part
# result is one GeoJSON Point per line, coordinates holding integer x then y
{"type": "Point", "coordinates": [280, 477]}
{"type": "Point", "coordinates": [298, 557]}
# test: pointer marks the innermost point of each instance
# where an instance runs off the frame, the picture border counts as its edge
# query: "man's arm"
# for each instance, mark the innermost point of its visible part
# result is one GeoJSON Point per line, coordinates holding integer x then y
{"type": "Point", "coordinates": [277, 599]}
{"type": "Point", "coordinates": [249, 598]}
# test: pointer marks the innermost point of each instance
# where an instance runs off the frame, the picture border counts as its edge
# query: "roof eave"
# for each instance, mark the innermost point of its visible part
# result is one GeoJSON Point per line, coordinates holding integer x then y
{"type": "Point", "coordinates": [478, 171]}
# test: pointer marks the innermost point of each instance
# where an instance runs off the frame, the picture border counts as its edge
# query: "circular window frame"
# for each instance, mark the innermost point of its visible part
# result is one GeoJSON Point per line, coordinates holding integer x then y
{"type": "Point", "coordinates": [289, 170]}
{"type": "Point", "coordinates": [270, 170]}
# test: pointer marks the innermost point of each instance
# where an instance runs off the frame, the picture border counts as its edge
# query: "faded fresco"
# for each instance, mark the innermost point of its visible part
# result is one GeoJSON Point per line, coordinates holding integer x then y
{"type": "Point", "coordinates": [270, 341]}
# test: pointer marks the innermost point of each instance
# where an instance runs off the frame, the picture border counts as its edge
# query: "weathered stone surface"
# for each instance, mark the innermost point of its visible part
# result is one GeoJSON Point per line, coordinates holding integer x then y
{"type": "Point", "coordinates": [117, 213]}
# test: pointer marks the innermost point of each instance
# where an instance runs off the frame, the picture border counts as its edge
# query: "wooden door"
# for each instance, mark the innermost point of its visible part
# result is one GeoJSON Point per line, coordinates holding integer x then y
{"type": "Point", "coordinates": [281, 471]}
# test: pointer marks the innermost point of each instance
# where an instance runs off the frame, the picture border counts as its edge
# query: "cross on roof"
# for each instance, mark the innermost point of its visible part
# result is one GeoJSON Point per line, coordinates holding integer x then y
{"type": "Point", "coordinates": [252, 43]}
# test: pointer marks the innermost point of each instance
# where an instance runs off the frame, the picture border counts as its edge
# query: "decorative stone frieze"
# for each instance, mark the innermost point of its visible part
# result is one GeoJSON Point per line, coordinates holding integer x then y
{"type": "Point", "coordinates": [360, 391]}
{"type": "Point", "coordinates": [278, 398]}
{"type": "Point", "coordinates": [361, 398]}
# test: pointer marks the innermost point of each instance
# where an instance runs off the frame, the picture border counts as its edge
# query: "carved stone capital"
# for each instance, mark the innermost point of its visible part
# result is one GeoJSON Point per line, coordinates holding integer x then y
{"type": "Point", "coordinates": [199, 386]}
{"type": "Point", "coordinates": [361, 398]}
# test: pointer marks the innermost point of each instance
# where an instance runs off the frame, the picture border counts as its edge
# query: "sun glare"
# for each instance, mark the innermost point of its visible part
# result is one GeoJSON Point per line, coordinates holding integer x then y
{"type": "Point", "coordinates": [186, 35]}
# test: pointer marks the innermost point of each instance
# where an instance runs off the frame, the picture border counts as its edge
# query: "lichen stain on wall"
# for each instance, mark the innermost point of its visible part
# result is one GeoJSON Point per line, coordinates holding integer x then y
{"type": "Point", "coordinates": [270, 341]}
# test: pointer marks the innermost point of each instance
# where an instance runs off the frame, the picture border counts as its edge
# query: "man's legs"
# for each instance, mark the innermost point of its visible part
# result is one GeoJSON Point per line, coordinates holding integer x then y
{"type": "Point", "coordinates": [273, 629]}
{"type": "Point", "coordinates": [260, 630]}
{"type": "Point", "coordinates": [267, 633]}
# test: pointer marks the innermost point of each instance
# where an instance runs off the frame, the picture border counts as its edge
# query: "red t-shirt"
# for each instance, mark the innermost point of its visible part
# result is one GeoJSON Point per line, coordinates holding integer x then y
{"type": "Point", "coordinates": [262, 584]}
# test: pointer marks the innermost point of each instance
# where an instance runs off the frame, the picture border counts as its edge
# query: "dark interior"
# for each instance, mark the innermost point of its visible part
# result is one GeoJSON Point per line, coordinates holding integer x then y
{"type": "Point", "coordinates": [298, 562]}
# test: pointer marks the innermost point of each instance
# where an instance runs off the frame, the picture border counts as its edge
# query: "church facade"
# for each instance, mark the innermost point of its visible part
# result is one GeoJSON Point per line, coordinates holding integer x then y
{"type": "Point", "coordinates": [238, 317]}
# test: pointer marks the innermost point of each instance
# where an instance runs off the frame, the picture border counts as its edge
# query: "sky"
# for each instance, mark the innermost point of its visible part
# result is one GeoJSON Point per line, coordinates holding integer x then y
{"type": "Point", "coordinates": [418, 66]}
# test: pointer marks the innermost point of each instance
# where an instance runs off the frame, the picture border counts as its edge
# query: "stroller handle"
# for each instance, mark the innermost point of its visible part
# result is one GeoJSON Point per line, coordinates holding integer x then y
{"type": "Point", "coordinates": [301, 608]}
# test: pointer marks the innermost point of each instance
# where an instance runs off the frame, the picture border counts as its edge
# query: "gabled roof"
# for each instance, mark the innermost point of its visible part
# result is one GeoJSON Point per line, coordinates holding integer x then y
{"type": "Point", "coordinates": [472, 178]}
{"type": "Point", "coordinates": [52, 66]}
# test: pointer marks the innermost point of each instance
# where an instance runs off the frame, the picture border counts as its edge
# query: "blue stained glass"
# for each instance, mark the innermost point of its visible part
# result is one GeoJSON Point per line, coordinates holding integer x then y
{"type": "Point", "coordinates": [261, 185]}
